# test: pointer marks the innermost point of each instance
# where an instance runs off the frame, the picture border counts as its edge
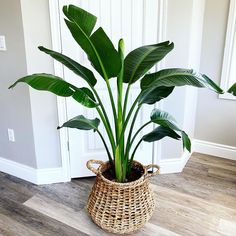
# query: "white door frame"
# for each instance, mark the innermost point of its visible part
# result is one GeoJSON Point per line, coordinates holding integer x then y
{"type": "Point", "coordinates": [61, 102]}
{"type": "Point", "coordinates": [58, 70]}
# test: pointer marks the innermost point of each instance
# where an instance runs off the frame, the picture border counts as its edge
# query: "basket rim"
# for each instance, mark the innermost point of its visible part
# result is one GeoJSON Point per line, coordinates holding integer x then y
{"type": "Point", "coordinates": [128, 184]}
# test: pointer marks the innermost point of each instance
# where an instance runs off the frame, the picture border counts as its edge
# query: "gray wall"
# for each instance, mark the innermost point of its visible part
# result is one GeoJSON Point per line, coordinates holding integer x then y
{"type": "Point", "coordinates": [215, 118]}
{"type": "Point", "coordinates": [14, 105]}
{"type": "Point", "coordinates": [36, 23]}
{"type": "Point", "coordinates": [32, 114]}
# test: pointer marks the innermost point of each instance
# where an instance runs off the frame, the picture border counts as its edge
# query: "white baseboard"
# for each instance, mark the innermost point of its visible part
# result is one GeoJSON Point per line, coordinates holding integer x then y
{"type": "Point", "coordinates": [214, 149]}
{"type": "Point", "coordinates": [56, 175]}
{"type": "Point", "coordinates": [176, 165]}
{"type": "Point", "coordinates": [50, 176]}
{"type": "Point", "coordinates": [36, 176]}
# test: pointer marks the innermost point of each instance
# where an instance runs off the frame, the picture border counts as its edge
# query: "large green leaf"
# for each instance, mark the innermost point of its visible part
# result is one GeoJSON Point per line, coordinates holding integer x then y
{"type": "Point", "coordinates": [80, 122]}
{"type": "Point", "coordinates": [159, 133]}
{"type": "Point", "coordinates": [58, 86]}
{"type": "Point", "coordinates": [142, 59]}
{"type": "Point", "coordinates": [78, 69]}
{"type": "Point", "coordinates": [232, 89]}
{"type": "Point", "coordinates": [164, 119]}
{"type": "Point", "coordinates": [85, 20]}
{"type": "Point", "coordinates": [49, 83]}
{"type": "Point", "coordinates": [177, 77]}
{"type": "Point", "coordinates": [85, 97]}
{"type": "Point", "coordinates": [110, 58]}
{"type": "Point", "coordinates": [153, 96]}
{"type": "Point", "coordinates": [85, 43]}
{"type": "Point", "coordinates": [99, 48]}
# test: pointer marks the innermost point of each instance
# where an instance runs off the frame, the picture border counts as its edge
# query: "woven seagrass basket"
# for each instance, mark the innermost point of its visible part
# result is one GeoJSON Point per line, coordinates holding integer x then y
{"type": "Point", "coordinates": [121, 207]}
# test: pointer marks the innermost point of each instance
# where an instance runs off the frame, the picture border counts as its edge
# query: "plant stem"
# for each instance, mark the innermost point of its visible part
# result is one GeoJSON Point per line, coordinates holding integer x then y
{"type": "Point", "coordinates": [135, 149]}
{"type": "Point", "coordinates": [149, 122]}
{"type": "Point", "coordinates": [120, 165]}
{"type": "Point", "coordinates": [107, 150]}
{"type": "Point", "coordinates": [109, 132]}
{"type": "Point", "coordinates": [126, 101]}
{"type": "Point", "coordinates": [112, 103]}
{"type": "Point", "coordinates": [128, 145]}
{"type": "Point", "coordinates": [129, 115]}
{"type": "Point", "coordinates": [105, 120]}
{"type": "Point", "coordinates": [120, 88]}
{"type": "Point", "coordinates": [132, 124]}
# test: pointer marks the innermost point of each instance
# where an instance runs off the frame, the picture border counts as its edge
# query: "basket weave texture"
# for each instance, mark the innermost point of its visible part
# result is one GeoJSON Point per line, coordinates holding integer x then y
{"type": "Point", "coordinates": [120, 207]}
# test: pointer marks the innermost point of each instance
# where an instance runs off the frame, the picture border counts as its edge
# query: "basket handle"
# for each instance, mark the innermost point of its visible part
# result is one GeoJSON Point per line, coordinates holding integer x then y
{"type": "Point", "coordinates": [148, 175]}
{"type": "Point", "coordinates": [92, 162]}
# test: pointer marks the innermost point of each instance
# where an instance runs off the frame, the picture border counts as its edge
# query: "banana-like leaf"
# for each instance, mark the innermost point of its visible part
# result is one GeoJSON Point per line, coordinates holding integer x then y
{"type": "Point", "coordinates": [84, 19]}
{"type": "Point", "coordinates": [99, 48]}
{"type": "Point", "coordinates": [159, 133]}
{"type": "Point", "coordinates": [153, 96]}
{"type": "Point", "coordinates": [49, 83]}
{"type": "Point", "coordinates": [164, 119]}
{"type": "Point", "coordinates": [85, 97]}
{"type": "Point", "coordinates": [232, 89]}
{"type": "Point", "coordinates": [80, 122]}
{"type": "Point", "coordinates": [186, 141]}
{"type": "Point", "coordinates": [142, 59]}
{"type": "Point", "coordinates": [60, 87]}
{"type": "Point", "coordinates": [177, 77]}
{"type": "Point", "coordinates": [110, 58]}
{"type": "Point", "coordinates": [74, 66]}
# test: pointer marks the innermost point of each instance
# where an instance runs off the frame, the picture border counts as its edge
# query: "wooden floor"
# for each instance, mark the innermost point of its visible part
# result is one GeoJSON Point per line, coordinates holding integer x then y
{"type": "Point", "coordinates": [199, 201]}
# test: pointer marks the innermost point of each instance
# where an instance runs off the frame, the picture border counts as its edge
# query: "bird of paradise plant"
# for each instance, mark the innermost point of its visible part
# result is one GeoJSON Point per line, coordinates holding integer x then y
{"type": "Point", "coordinates": [111, 63]}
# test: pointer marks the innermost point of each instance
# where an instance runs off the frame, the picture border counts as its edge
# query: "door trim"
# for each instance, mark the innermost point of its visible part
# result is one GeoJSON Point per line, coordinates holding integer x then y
{"type": "Point", "coordinates": [61, 102]}
{"type": "Point", "coordinates": [161, 36]}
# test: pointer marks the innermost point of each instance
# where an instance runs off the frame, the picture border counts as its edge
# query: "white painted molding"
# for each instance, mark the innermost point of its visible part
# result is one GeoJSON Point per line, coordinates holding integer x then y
{"type": "Point", "coordinates": [161, 36]}
{"type": "Point", "coordinates": [168, 166]}
{"type": "Point", "coordinates": [230, 42]}
{"type": "Point", "coordinates": [214, 149]}
{"type": "Point", "coordinates": [194, 57]}
{"type": "Point", "coordinates": [176, 165]}
{"type": "Point", "coordinates": [21, 171]}
{"type": "Point", "coordinates": [36, 176]}
{"type": "Point", "coordinates": [61, 102]}
{"type": "Point", "coordinates": [50, 176]}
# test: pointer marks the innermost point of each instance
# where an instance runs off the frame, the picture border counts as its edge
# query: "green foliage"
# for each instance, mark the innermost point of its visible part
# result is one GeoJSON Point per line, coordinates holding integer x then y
{"type": "Point", "coordinates": [98, 47]}
{"type": "Point", "coordinates": [232, 89]}
{"type": "Point", "coordinates": [109, 63]}
{"type": "Point", "coordinates": [140, 60]}
{"type": "Point", "coordinates": [159, 133]}
{"type": "Point", "coordinates": [177, 77]}
{"type": "Point", "coordinates": [80, 122]}
{"type": "Point", "coordinates": [74, 66]}
{"type": "Point", "coordinates": [155, 95]}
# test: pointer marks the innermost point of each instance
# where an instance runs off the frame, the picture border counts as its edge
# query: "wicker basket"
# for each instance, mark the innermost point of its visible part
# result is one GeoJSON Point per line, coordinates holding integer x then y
{"type": "Point", "coordinates": [120, 207]}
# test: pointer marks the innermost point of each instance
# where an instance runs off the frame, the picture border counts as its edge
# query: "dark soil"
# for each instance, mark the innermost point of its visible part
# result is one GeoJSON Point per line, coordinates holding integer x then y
{"type": "Point", "coordinates": [136, 173]}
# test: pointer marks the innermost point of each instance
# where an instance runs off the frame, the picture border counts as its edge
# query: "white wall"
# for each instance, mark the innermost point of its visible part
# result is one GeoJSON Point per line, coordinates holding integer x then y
{"type": "Point", "coordinates": [215, 118]}
{"type": "Point", "coordinates": [184, 27]}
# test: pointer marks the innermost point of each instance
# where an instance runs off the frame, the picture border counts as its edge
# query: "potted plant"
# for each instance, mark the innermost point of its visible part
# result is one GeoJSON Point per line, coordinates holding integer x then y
{"type": "Point", "coordinates": [121, 200]}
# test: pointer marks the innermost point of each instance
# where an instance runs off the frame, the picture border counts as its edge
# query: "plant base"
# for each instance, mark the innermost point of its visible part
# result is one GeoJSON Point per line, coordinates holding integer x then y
{"type": "Point", "coordinates": [121, 207]}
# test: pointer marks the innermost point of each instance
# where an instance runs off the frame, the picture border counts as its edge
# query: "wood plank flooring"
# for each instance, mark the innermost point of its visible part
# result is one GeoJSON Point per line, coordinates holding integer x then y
{"type": "Point", "coordinates": [199, 201]}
